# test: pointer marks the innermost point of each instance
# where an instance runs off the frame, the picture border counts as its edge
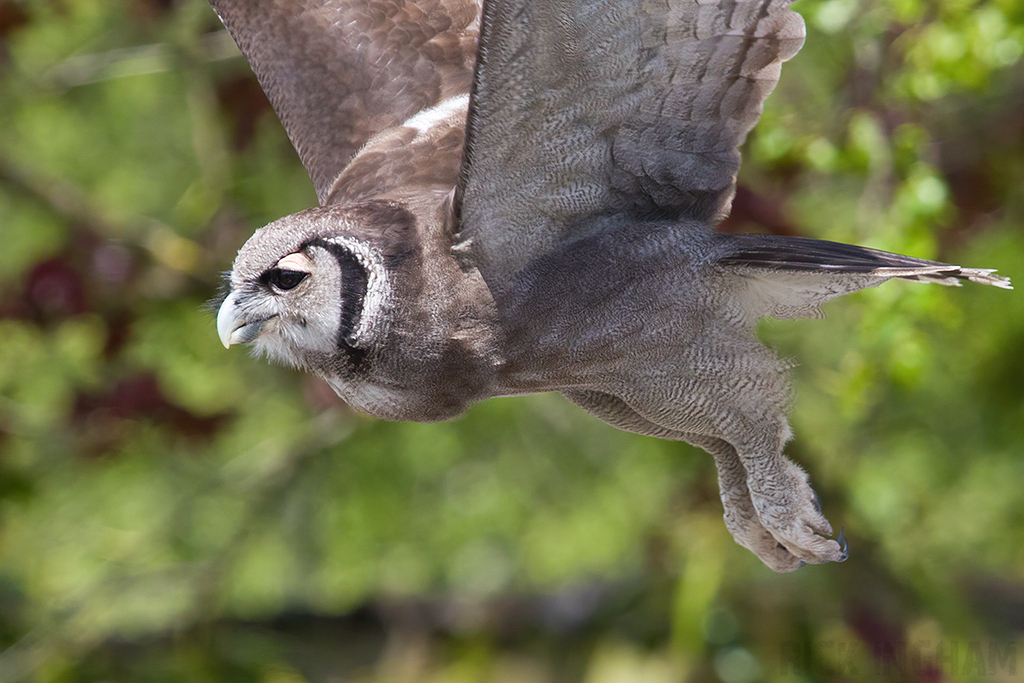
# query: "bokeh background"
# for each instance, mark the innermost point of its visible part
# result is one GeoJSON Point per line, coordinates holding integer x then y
{"type": "Point", "coordinates": [171, 511]}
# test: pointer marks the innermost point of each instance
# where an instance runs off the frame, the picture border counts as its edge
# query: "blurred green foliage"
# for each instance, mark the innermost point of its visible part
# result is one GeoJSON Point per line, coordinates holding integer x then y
{"type": "Point", "coordinates": [173, 512]}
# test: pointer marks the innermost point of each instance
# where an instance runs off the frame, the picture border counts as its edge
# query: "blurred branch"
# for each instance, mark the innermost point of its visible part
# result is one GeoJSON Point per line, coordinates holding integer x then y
{"type": "Point", "coordinates": [135, 61]}
{"type": "Point", "coordinates": [69, 202]}
{"type": "Point", "coordinates": [59, 196]}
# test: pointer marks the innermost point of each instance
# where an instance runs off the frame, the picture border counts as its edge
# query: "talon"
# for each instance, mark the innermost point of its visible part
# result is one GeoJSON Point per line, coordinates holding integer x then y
{"type": "Point", "coordinates": [844, 547]}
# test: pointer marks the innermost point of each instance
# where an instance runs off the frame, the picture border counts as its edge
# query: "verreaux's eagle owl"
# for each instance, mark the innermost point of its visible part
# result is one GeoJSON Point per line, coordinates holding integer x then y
{"type": "Point", "coordinates": [520, 198]}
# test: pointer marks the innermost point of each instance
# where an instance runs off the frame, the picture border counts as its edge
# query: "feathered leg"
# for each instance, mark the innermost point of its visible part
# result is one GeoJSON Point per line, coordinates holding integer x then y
{"type": "Point", "coordinates": [789, 502]}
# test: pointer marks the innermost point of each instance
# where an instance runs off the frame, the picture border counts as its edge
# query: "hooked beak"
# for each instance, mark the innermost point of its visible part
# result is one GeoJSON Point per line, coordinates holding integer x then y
{"type": "Point", "coordinates": [232, 327]}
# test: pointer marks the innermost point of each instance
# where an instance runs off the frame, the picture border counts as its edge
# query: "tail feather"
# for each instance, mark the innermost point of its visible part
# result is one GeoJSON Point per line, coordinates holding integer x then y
{"type": "Point", "coordinates": [803, 254]}
{"type": "Point", "coordinates": [792, 276]}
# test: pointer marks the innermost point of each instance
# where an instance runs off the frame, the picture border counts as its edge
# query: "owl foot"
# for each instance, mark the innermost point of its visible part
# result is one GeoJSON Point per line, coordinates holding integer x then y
{"type": "Point", "coordinates": [793, 532]}
{"type": "Point", "coordinates": [748, 531]}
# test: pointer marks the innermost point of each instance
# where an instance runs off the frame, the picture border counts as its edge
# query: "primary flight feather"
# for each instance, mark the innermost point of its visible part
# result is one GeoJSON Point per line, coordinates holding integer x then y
{"type": "Point", "coordinates": [520, 198]}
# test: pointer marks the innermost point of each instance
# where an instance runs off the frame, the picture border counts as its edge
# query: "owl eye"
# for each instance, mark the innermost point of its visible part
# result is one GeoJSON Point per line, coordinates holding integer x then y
{"type": "Point", "coordinates": [282, 279]}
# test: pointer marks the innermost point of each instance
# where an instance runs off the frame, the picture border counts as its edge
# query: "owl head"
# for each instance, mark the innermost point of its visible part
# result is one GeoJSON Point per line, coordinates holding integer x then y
{"type": "Point", "coordinates": [315, 287]}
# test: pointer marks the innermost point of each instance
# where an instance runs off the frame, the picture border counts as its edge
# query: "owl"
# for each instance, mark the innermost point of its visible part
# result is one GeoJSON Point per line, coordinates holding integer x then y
{"type": "Point", "coordinates": [521, 197]}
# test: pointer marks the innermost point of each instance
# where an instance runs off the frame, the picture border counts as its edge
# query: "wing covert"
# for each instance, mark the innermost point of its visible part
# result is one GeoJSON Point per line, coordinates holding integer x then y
{"type": "Point", "coordinates": [339, 71]}
{"type": "Point", "coordinates": [583, 108]}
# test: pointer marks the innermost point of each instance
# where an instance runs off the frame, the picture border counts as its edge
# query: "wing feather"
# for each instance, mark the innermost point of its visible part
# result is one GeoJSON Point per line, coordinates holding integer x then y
{"type": "Point", "coordinates": [340, 71]}
{"type": "Point", "coordinates": [593, 107]}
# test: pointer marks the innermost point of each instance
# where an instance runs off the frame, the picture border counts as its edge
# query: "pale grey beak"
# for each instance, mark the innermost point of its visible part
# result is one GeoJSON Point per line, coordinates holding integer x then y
{"type": "Point", "coordinates": [231, 327]}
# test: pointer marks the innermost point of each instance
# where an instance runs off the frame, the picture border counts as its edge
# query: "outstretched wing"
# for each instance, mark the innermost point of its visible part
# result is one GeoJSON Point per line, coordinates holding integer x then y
{"type": "Point", "coordinates": [339, 71]}
{"type": "Point", "coordinates": [585, 108]}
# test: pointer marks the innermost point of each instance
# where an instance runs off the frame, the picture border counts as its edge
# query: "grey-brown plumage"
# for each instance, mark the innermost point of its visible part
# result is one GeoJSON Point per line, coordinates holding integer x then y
{"type": "Point", "coordinates": [558, 237]}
